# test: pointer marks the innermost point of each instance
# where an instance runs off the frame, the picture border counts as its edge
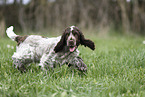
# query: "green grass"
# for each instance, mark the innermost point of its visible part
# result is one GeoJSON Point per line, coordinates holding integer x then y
{"type": "Point", "coordinates": [115, 68]}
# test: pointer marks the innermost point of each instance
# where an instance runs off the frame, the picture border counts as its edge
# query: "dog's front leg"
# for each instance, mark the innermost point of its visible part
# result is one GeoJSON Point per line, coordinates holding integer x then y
{"type": "Point", "coordinates": [78, 63]}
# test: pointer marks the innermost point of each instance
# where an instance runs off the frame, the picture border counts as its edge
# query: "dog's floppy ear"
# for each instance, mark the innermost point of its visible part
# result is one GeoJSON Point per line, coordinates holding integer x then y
{"type": "Point", "coordinates": [86, 42]}
{"type": "Point", "coordinates": [60, 44]}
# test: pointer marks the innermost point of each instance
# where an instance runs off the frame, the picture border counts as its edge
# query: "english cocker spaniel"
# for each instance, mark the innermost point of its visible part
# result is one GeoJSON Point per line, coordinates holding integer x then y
{"type": "Point", "coordinates": [49, 52]}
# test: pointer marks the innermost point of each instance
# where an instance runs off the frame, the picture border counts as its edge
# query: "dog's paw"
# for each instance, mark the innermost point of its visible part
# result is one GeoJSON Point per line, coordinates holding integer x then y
{"type": "Point", "coordinates": [82, 67]}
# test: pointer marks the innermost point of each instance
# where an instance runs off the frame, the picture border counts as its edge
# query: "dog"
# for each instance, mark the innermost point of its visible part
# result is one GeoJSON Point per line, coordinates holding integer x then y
{"type": "Point", "coordinates": [50, 52]}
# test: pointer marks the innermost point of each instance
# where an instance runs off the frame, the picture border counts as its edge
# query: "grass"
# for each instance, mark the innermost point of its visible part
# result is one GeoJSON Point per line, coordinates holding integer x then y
{"type": "Point", "coordinates": [115, 68]}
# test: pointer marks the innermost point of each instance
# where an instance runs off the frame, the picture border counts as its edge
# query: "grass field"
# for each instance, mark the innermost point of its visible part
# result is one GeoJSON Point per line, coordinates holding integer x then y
{"type": "Point", "coordinates": [116, 68]}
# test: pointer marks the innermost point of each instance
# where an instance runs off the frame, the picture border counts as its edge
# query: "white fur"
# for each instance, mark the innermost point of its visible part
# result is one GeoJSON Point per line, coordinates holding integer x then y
{"type": "Point", "coordinates": [35, 48]}
{"type": "Point", "coordinates": [72, 28]}
{"type": "Point", "coordinates": [10, 33]}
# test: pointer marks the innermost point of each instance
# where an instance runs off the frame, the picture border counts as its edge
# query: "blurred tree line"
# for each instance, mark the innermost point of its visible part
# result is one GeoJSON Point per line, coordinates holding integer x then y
{"type": "Point", "coordinates": [128, 15]}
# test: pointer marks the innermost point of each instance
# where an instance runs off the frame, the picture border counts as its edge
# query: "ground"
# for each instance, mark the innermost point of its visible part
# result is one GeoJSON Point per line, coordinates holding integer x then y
{"type": "Point", "coordinates": [115, 68]}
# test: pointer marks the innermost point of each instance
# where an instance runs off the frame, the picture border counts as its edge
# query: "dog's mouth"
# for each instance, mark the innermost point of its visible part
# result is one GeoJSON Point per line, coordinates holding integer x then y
{"type": "Point", "coordinates": [72, 48]}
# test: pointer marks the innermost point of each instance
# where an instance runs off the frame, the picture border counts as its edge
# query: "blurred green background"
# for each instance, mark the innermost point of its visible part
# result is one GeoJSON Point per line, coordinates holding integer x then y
{"type": "Point", "coordinates": [93, 16]}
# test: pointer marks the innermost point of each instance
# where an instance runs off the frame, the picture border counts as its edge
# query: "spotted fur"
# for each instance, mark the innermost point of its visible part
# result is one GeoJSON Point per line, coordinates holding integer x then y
{"type": "Point", "coordinates": [50, 52]}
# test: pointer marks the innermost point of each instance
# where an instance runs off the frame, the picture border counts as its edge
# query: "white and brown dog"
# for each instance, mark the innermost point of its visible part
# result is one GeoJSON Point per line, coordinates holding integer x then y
{"type": "Point", "coordinates": [49, 52]}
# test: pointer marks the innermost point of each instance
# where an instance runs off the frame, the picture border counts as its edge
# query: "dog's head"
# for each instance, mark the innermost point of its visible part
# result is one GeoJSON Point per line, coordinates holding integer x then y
{"type": "Point", "coordinates": [72, 37]}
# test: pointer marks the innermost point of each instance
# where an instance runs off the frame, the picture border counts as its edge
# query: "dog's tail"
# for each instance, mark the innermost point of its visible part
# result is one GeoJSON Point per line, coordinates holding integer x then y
{"type": "Point", "coordinates": [10, 33]}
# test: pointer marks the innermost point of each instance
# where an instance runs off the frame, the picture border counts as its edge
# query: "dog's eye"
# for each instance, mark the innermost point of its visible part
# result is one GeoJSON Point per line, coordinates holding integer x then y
{"type": "Point", "coordinates": [67, 34]}
{"type": "Point", "coordinates": [75, 33]}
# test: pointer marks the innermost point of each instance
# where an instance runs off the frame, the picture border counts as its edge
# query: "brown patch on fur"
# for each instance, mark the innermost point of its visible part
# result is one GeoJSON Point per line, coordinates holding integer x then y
{"type": "Point", "coordinates": [43, 36]}
{"type": "Point", "coordinates": [20, 39]}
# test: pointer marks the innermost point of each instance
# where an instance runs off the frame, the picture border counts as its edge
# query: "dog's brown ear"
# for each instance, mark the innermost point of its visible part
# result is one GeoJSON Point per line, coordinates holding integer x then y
{"type": "Point", "coordinates": [86, 42]}
{"type": "Point", "coordinates": [60, 44]}
{"type": "Point", "coordinates": [20, 39]}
